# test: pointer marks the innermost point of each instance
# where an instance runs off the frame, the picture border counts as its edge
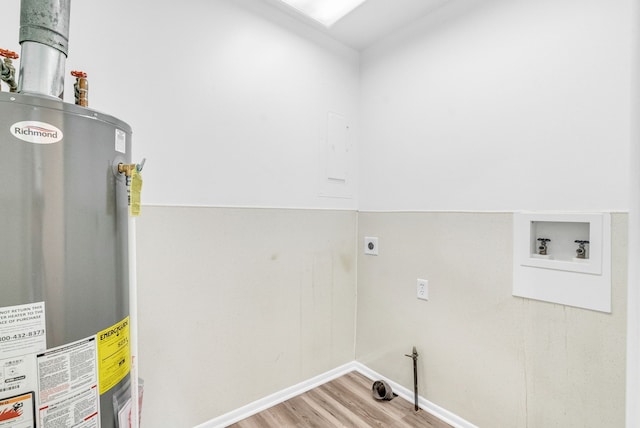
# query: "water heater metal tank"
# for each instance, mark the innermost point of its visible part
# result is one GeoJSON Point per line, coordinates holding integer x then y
{"type": "Point", "coordinates": [64, 285]}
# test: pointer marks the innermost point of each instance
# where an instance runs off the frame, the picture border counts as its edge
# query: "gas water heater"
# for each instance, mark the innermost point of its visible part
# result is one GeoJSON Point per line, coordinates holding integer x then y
{"type": "Point", "coordinates": [65, 175]}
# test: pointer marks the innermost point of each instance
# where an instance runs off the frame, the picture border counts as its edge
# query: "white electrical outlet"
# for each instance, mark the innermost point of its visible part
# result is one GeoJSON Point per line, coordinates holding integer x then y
{"type": "Point", "coordinates": [423, 289]}
{"type": "Point", "coordinates": [371, 245]}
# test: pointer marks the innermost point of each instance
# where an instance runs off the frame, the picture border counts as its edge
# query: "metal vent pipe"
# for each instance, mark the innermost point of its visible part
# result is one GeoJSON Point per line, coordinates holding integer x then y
{"type": "Point", "coordinates": [44, 38]}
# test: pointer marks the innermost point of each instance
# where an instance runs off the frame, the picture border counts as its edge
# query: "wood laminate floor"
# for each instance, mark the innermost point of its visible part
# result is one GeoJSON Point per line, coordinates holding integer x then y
{"type": "Point", "coordinates": [343, 402]}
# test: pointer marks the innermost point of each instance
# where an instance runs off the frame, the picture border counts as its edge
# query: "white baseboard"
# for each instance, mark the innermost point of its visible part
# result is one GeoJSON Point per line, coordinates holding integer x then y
{"type": "Point", "coordinates": [277, 398]}
{"type": "Point", "coordinates": [287, 393]}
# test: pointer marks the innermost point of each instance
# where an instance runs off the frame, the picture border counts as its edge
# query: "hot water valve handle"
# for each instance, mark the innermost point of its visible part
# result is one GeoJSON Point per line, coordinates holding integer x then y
{"type": "Point", "coordinates": [542, 248]}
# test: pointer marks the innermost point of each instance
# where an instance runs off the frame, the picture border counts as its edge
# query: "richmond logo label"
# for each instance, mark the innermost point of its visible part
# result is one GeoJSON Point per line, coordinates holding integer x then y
{"type": "Point", "coordinates": [36, 132]}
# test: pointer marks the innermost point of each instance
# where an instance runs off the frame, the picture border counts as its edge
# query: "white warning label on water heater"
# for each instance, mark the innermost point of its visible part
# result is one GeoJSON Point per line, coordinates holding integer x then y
{"type": "Point", "coordinates": [36, 132]}
{"type": "Point", "coordinates": [121, 141]}
{"type": "Point", "coordinates": [68, 386]}
{"type": "Point", "coordinates": [22, 330]}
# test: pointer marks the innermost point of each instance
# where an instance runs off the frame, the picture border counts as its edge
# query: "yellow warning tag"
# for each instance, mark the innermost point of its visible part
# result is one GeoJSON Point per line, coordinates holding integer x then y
{"type": "Point", "coordinates": [136, 189]}
{"type": "Point", "coordinates": [114, 355]}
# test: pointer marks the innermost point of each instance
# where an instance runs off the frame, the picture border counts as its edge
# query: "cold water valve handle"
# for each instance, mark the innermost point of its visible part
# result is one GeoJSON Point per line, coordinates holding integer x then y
{"type": "Point", "coordinates": [581, 252]}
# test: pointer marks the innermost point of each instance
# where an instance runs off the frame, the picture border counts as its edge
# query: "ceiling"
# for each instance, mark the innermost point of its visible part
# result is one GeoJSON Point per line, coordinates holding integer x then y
{"type": "Point", "coordinates": [371, 21]}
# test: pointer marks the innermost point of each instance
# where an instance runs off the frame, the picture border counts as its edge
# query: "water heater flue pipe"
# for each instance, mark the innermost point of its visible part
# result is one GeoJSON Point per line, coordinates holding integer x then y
{"type": "Point", "coordinates": [44, 38]}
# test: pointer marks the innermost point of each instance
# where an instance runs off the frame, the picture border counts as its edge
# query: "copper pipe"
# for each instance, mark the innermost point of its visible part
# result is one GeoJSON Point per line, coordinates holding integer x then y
{"type": "Point", "coordinates": [81, 88]}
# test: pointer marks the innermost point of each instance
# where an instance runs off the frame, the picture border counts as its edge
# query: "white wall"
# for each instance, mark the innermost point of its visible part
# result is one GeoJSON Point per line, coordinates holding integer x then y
{"type": "Point", "coordinates": [228, 99]}
{"type": "Point", "coordinates": [633, 321]}
{"type": "Point", "coordinates": [494, 105]}
{"type": "Point", "coordinates": [237, 304]}
{"type": "Point", "coordinates": [491, 358]}
{"type": "Point", "coordinates": [500, 105]}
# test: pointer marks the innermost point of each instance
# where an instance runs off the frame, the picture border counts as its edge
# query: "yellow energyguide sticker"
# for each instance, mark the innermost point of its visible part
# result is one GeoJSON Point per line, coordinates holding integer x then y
{"type": "Point", "coordinates": [114, 355]}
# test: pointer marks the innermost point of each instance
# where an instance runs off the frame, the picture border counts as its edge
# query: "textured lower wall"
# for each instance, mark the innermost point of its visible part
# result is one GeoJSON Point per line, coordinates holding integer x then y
{"type": "Point", "coordinates": [493, 359]}
{"type": "Point", "coordinates": [236, 304]}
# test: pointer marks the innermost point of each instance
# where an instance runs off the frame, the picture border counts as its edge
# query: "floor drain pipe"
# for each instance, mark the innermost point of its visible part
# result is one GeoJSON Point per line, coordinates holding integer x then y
{"type": "Point", "coordinates": [414, 356]}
